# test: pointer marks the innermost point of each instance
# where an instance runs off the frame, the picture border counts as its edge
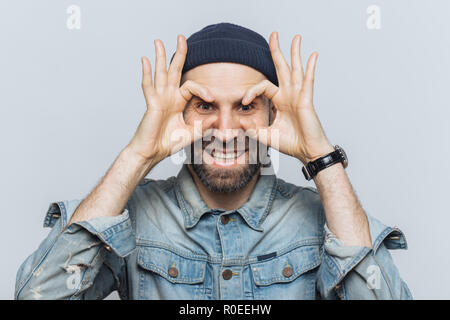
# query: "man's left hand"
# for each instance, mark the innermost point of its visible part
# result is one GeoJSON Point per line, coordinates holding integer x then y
{"type": "Point", "coordinates": [299, 130]}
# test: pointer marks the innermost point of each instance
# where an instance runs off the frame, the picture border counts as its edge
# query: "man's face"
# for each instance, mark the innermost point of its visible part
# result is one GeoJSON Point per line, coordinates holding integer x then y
{"type": "Point", "coordinates": [228, 157]}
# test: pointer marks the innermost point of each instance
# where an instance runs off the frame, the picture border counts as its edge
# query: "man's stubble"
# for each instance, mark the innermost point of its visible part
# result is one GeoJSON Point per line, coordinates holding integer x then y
{"type": "Point", "coordinates": [226, 180]}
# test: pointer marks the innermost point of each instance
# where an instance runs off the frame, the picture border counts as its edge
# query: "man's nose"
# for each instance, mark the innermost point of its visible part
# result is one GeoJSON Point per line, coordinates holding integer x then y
{"type": "Point", "coordinates": [227, 127]}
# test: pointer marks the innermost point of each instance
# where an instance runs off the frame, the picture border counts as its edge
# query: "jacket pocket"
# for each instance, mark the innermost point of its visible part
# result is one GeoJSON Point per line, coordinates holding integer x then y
{"type": "Point", "coordinates": [169, 274]}
{"type": "Point", "coordinates": [289, 275]}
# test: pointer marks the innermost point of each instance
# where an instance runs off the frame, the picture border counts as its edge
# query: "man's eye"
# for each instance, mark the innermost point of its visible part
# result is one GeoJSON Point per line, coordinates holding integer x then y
{"type": "Point", "coordinates": [247, 107]}
{"type": "Point", "coordinates": [204, 106]}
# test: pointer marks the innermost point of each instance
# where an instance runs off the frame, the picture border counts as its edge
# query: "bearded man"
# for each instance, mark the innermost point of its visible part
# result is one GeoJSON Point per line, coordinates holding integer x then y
{"type": "Point", "coordinates": [224, 227]}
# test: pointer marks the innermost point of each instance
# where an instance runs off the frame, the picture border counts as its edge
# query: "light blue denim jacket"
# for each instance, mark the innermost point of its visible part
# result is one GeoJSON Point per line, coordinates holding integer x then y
{"type": "Point", "coordinates": [167, 244]}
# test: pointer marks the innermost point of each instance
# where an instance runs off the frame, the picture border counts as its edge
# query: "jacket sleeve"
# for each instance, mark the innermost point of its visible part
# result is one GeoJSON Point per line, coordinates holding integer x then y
{"type": "Point", "coordinates": [354, 272]}
{"type": "Point", "coordinates": [86, 260]}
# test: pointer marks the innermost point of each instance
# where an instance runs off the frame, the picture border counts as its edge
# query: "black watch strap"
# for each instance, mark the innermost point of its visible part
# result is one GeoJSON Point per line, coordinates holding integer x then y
{"type": "Point", "coordinates": [312, 168]}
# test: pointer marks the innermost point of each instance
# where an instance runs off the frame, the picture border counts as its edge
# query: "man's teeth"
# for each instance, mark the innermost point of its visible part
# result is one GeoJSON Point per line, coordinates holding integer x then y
{"type": "Point", "coordinates": [226, 156]}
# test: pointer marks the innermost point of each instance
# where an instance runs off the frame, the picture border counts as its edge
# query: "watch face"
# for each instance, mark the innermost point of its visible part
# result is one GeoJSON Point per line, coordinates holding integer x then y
{"type": "Point", "coordinates": [344, 155]}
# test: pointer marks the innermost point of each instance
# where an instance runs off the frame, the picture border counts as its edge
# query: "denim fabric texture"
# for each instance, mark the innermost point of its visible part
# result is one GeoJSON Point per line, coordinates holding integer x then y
{"type": "Point", "coordinates": [167, 244]}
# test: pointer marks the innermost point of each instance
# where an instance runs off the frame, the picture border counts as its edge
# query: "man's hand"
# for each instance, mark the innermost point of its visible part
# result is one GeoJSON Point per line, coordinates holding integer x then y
{"type": "Point", "coordinates": [301, 134]}
{"type": "Point", "coordinates": [153, 140]}
{"type": "Point", "coordinates": [162, 130]}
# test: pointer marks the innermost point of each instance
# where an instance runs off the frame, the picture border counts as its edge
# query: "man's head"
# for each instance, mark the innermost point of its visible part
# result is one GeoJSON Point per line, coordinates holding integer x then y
{"type": "Point", "coordinates": [229, 120]}
{"type": "Point", "coordinates": [228, 60]}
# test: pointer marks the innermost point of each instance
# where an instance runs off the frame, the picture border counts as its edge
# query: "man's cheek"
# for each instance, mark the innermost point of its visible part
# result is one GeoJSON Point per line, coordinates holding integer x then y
{"type": "Point", "coordinates": [243, 159]}
{"type": "Point", "coordinates": [190, 116]}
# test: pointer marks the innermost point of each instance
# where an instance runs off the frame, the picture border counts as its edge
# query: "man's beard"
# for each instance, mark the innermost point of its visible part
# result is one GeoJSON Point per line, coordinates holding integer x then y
{"type": "Point", "coordinates": [226, 180]}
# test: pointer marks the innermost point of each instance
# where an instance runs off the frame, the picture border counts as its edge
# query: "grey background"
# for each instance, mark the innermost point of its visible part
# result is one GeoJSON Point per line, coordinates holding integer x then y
{"type": "Point", "coordinates": [71, 100]}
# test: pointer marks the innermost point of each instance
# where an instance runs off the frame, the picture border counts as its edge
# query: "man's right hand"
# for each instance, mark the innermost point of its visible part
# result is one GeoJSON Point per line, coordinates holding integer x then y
{"type": "Point", "coordinates": [158, 134]}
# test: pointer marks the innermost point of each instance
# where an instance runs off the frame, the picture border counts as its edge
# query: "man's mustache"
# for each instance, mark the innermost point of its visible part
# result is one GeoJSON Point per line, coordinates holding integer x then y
{"type": "Point", "coordinates": [234, 145]}
{"type": "Point", "coordinates": [240, 142]}
{"type": "Point", "coordinates": [211, 144]}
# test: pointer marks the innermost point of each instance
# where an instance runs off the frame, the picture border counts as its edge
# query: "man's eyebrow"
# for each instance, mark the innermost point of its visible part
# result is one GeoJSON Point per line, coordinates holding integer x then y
{"type": "Point", "coordinates": [238, 101]}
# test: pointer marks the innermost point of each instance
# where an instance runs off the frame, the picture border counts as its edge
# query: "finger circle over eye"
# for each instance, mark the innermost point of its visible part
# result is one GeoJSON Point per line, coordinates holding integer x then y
{"type": "Point", "coordinates": [265, 87]}
{"type": "Point", "coordinates": [191, 88]}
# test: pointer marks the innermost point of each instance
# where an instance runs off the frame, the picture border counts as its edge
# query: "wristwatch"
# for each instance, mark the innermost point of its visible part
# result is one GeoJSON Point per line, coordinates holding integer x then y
{"type": "Point", "coordinates": [313, 167]}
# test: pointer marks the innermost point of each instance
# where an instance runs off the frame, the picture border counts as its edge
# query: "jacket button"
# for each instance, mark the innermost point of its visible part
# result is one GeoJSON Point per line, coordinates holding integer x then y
{"type": "Point", "coordinates": [227, 274]}
{"type": "Point", "coordinates": [224, 219]}
{"type": "Point", "coordinates": [287, 272]}
{"type": "Point", "coordinates": [173, 272]}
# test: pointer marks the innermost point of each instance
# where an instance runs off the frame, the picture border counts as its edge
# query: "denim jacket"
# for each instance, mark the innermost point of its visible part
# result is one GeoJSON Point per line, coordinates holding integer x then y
{"type": "Point", "coordinates": [167, 244]}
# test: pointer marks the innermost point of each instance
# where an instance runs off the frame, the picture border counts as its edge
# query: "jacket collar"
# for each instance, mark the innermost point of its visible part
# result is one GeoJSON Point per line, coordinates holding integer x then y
{"type": "Point", "coordinates": [254, 211]}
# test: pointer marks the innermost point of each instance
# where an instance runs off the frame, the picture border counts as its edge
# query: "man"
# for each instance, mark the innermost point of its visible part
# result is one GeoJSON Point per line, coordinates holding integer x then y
{"type": "Point", "coordinates": [220, 229]}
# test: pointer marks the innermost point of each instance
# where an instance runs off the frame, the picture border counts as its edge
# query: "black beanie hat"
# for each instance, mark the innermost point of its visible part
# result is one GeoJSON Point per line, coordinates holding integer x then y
{"type": "Point", "coordinates": [227, 42]}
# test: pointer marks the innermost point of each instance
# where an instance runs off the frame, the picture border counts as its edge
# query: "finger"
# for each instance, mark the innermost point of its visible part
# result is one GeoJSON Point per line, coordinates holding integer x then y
{"type": "Point", "coordinates": [191, 88]}
{"type": "Point", "coordinates": [177, 64]}
{"type": "Point", "coordinates": [281, 66]}
{"type": "Point", "coordinates": [296, 62]}
{"type": "Point", "coordinates": [308, 82]}
{"type": "Point", "coordinates": [147, 84]}
{"type": "Point", "coordinates": [161, 67]}
{"type": "Point", "coordinates": [265, 87]}
{"type": "Point", "coordinates": [180, 138]}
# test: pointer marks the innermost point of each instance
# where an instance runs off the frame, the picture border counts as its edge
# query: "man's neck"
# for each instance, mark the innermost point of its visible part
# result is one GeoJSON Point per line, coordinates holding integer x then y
{"type": "Point", "coordinates": [224, 200]}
